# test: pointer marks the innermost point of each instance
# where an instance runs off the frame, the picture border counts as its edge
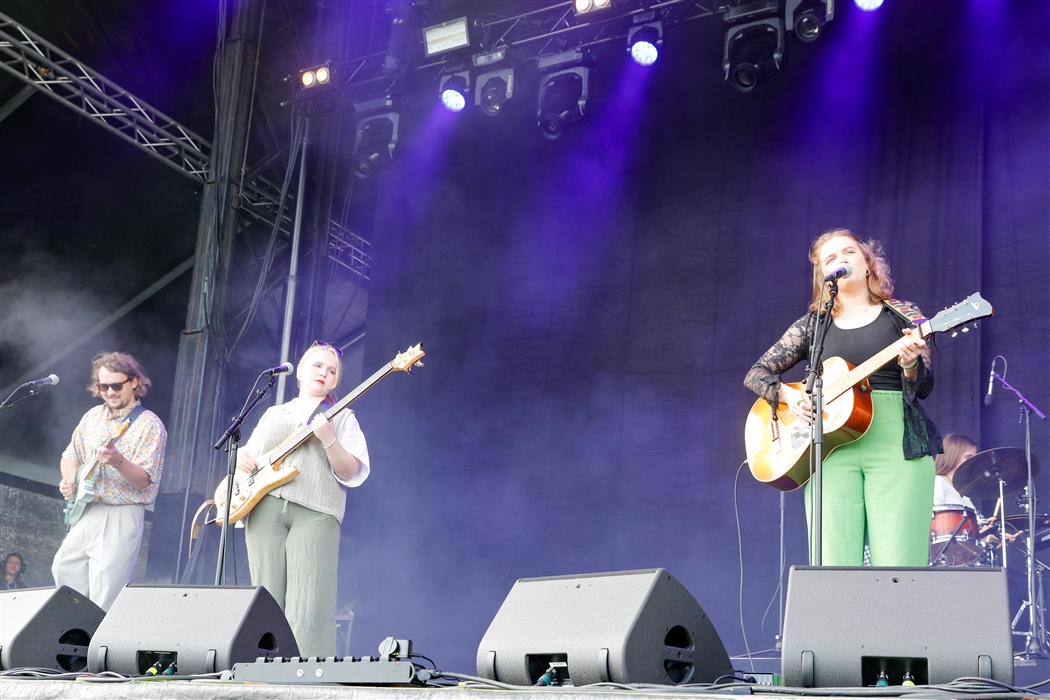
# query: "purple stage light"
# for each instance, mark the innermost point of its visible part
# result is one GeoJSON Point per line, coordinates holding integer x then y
{"type": "Point", "coordinates": [868, 5]}
{"type": "Point", "coordinates": [454, 89]}
{"type": "Point", "coordinates": [644, 43]}
{"type": "Point", "coordinates": [453, 100]}
{"type": "Point", "coordinates": [644, 53]}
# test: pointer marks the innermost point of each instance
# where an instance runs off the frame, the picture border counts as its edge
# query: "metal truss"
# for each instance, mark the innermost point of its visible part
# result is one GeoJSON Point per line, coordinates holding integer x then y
{"type": "Point", "coordinates": [348, 249]}
{"type": "Point", "coordinates": [33, 60]}
{"type": "Point", "coordinates": [555, 28]}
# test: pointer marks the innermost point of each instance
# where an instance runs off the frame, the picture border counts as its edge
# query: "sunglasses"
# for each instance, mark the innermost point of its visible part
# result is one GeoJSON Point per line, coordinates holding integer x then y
{"type": "Point", "coordinates": [327, 346]}
{"type": "Point", "coordinates": [115, 386]}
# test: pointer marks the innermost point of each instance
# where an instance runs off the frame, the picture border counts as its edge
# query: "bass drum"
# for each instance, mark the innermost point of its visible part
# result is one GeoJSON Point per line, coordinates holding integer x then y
{"type": "Point", "coordinates": [953, 537]}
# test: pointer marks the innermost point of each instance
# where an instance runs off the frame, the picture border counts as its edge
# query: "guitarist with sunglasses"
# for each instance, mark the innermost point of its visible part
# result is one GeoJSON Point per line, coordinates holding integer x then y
{"type": "Point", "coordinates": [880, 486]}
{"type": "Point", "coordinates": [110, 473]}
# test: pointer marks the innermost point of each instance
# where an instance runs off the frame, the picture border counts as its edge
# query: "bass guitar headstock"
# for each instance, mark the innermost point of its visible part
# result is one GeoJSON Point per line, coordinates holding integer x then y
{"type": "Point", "coordinates": [409, 358]}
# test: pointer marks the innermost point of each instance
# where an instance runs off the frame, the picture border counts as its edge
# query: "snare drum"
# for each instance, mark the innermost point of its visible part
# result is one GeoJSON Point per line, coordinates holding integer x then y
{"type": "Point", "coordinates": [965, 549]}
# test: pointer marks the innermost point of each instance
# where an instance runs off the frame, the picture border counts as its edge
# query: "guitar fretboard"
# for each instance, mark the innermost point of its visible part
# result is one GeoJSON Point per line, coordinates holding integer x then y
{"type": "Point", "coordinates": [305, 432]}
{"type": "Point", "coordinates": [867, 368]}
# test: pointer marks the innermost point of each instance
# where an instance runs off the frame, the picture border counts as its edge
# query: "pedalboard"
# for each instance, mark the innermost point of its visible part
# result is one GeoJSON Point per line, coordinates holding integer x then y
{"type": "Point", "coordinates": [330, 670]}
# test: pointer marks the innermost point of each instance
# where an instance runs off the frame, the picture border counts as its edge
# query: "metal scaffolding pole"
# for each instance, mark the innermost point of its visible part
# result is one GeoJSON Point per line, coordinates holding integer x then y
{"type": "Point", "coordinates": [200, 373]}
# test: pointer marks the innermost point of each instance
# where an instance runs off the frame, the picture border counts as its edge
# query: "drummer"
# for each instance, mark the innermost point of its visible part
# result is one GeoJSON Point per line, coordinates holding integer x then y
{"type": "Point", "coordinates": [958, 449]}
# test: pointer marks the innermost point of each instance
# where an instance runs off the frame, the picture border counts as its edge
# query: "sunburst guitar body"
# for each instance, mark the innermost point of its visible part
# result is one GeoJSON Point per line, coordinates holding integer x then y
{"type": "Point", "coordinates": [778, 450]}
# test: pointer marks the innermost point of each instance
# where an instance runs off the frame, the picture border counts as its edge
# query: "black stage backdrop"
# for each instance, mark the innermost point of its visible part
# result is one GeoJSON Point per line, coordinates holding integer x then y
{"type": "Point", "coordinates": [590, 305]}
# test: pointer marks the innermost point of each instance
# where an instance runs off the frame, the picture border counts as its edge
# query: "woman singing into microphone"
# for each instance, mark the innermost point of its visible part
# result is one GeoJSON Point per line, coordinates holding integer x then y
{"type": "Point", "coordinates": [879, 487]}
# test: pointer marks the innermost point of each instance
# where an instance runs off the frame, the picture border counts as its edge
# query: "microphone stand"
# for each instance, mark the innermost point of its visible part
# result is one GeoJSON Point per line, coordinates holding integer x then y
{"type": "Point", "coordinates": [231, 438]}
{"type": "Point", "coordinates": [1036, 646]}
{"type": "Point", "coordinates": [815, 388]}
{"type": "Point", "coordinates": [7, 403]}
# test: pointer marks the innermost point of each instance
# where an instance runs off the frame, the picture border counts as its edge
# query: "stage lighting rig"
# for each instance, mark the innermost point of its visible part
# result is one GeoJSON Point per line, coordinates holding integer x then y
{"type": "Point", "coordinates": [645, 39]}
{"type": "Point", "coordinates": [806, 18]}
{"type": "Point", "coordinates": [318, 77]}
{"type": "Point", "coordinates": [868, 5]}
{"type": "Point", "coordinates": [754, 44]}
{"type": "Point", "coordinates": [492, 89]}
{"type": "Point", "coordinates": [453, 89]}
{"type": "Point", "coordinates": [583, 7]}
{"type": "Point", "coordinates": [564, 84]}
{"type": "Point", "coordinates": [377, 129]}
{"type": "Point", "coordinates": [445, 37]}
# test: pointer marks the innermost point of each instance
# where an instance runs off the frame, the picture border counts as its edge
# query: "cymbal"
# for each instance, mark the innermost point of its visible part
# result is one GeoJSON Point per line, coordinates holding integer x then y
{"type": "Point", "coordinates": [978, 477]}
{"type": "Point", "coordinates": [1021, 520]}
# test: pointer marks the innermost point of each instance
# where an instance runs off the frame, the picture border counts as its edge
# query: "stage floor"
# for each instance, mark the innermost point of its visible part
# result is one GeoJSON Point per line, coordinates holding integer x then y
{"type": "Point", "coordinates": [205, 690]}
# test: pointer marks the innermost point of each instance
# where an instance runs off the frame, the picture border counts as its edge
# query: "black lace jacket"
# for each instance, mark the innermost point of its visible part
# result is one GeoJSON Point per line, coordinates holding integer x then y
{"type": "Point", "coordinates": [920, 434]}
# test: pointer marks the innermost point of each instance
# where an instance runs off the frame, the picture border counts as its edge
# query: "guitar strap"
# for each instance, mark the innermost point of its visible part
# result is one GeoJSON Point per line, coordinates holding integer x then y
{"type": "Point", "coordinates": [132, 417]}
{"type": "Point", "coordinates": [906, 310]}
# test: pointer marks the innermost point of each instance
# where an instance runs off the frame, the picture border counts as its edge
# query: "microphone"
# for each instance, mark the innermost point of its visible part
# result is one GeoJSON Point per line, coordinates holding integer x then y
{"type": "Point", "coordinates": [991, 385]}
{"type": "Point", "coordinates": [49, 379]}
{"type": "Point", "coordinates": [843, 270]}
{"type": "Point", "coordinates": [284, 368]}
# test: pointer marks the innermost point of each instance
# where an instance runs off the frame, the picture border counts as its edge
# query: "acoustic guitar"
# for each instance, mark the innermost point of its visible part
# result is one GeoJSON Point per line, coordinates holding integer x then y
{"type": "Point", "coordinates": [270, 470]}
{"type": "Point", "coordinates": [87, 479]}
{"type": "Point", "coordinates": [778, 450]}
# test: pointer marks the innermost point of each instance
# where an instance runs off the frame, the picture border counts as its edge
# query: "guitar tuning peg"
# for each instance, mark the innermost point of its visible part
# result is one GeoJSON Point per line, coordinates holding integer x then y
{"type": "Point", "coordinates": [955, 333]}
{"type": "Point", "coordinates": [965, 329]}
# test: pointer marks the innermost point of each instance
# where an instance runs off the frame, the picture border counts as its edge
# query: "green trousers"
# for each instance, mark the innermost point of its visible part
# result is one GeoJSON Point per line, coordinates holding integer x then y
{"type": "Point", "coordinates": [293, 551]}
{"type": "Point", "coordinates": [871, 491]}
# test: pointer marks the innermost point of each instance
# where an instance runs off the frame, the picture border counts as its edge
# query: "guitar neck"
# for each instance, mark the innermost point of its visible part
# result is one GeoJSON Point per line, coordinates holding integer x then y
{"type": "Point", "coordinates": [305, 432]}
{"type": "Point", "coordinates": [867, 368]}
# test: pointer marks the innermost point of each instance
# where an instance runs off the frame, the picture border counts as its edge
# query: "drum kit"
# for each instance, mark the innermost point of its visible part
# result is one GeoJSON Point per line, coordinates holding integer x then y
{"type": "Point", "coordinates": [960, 537]}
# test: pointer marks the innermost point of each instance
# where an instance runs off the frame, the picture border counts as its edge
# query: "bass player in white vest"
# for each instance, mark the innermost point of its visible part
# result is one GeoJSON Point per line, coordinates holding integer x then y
{"type": "Point", "coordinates": [292, 534]}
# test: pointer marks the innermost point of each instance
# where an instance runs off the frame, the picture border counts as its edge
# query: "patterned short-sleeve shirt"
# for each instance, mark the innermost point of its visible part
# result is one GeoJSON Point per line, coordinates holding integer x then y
{"type": "Point", "coordinates": [143, 444]}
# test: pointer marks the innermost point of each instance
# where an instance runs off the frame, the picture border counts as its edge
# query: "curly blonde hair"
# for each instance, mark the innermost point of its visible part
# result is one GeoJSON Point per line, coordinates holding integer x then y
{"type": "Point", "coordinates": [880, 283]}
{"type": "Point", "coordinates": [122, 363]}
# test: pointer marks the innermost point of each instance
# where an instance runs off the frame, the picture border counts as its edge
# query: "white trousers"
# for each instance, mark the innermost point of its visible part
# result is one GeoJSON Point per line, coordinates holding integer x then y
{"type": "Point", "coordinates": [98, 556]}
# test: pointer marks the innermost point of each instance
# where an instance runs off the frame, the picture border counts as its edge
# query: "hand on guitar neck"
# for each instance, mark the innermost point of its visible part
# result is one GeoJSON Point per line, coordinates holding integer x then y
{"type": "Point", "coordinates": [909, 349]}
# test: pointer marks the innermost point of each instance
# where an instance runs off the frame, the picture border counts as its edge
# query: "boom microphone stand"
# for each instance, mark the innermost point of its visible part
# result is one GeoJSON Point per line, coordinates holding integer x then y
{"type": "Point", "coordinates": [1036, 646]}
{"type": "Point", "coordinates": [231, 438]}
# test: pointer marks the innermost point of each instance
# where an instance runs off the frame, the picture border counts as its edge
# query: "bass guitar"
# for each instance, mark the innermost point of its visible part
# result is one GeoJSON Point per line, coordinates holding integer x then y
{"type": "Point", "coordinates": [87, 479]}
{"type": "Point", "coordinates": [270, 470]}
{"type": "Point", "coordinates": [778, 450]}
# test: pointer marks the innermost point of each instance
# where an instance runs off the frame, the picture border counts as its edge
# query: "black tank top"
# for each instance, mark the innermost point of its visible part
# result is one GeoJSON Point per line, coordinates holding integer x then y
{"type": "Point", "coordinates": [858, 344]}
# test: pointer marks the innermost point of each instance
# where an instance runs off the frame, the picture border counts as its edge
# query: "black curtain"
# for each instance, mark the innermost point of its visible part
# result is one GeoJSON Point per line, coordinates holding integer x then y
{"type": "Point", "coordinates": [590, 305]}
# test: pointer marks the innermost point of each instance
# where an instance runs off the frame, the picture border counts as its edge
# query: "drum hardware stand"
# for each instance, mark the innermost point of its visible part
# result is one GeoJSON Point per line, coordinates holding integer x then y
{"type": "Point", "coordinates": [1036, 646]}
{"type": "Point", "coordinates": [1038, 606]}
{"type": "Point", "coordinates": [1002, 518]}
{"type": "Point", "coordinates": [937, 559]}
{"type": "Point", "coordinates": [815, 388]}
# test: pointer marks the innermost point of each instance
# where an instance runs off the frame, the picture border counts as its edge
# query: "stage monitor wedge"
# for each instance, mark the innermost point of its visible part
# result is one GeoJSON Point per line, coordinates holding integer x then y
{"type": "Point", "coordinates": [201, 629]}
{"type": "Point", "coordinates": [47, 628]}
{"type": "Point", "coordinates": [621, 627]}
{"type": "Point", "coordinates": [845, 625]}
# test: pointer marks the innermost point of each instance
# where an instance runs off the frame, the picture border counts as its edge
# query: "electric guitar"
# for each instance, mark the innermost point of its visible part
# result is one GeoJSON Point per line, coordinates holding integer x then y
{"type": "Point", "coordinates": [270, 470]}
{"type": "Point", "coordinates": [87, 479]}
{"type": "Point", "coordinates": [778, 450]}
